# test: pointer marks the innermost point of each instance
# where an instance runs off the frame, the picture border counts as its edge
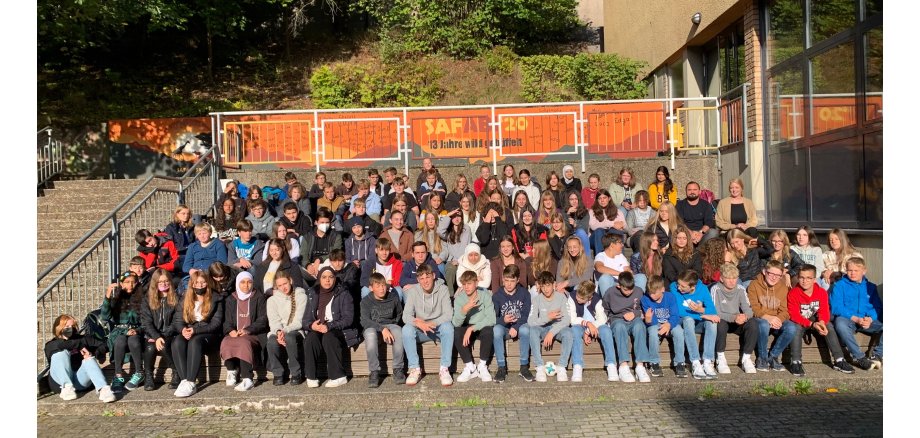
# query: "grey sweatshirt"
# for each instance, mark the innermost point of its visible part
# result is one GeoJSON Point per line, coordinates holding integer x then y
{"type": "Point", "coordinates": [729, 303]}
{"type": "Point", "coordinates": [454, 251]}
{"type": "Point", "coordinates": [540, 308]}
{"type": "Point", "coordinates": [434, 307]}
{"type": "Point", "coordinates": [278, 309]}
{"type": "Point", "coordinates": [377, 313]}
{"type": "Point", "coordinates": [617, 305]}
{"type": "Point", "coordinates": [574, 280]}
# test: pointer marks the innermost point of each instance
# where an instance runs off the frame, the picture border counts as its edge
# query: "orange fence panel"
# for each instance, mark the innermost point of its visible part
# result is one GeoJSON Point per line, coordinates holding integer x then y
{"type": "Point", "coordinates": [450, 133]}
{"type": "Point", "coordinates": [635, 128]}
{"type": "Point", "coordinates": [537, 131]}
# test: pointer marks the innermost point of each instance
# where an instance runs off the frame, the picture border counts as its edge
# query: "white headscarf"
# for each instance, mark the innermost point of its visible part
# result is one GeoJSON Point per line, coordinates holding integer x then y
{"type": "Point", "coordinates": [564, 168]}
{"type": "Point", "coordinates": [240, 294]}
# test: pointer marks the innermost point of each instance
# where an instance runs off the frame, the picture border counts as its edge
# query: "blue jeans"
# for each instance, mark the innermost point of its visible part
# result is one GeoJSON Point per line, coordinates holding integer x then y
{"type": "Point", "coordinates": [677, 337]}
{"type": "Point", "coordinates": [536, 344]}
{"type": "Point", "coordinates": [585, 241]}
{"type": "Point", "coordinates": [500, 332]}
{"type": "Point", "coordinates": [604, 283]}
{"type": "Point", "coordinates": [846, 332]}
{"type": "Point", "coordinates": [782, 337]}
{"type": "Point", "coordinates": [604, 336]}
{"type": "Point", "coordinates": [62, 372]}
{"type": "Point", "coordinates": [640, 280]}
{"type": "Point", "coordinates": [622, 329]}
{"type": "Point", "coordinates": [412, 336]}
{"type": "Point", "coordinates": [365, 291]}
{"type": "Point", "coordinates": [708, 329]}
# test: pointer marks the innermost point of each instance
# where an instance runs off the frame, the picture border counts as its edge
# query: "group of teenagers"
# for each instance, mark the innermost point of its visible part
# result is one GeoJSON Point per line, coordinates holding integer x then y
{"type": "Point", "coordinates": [293, 284]}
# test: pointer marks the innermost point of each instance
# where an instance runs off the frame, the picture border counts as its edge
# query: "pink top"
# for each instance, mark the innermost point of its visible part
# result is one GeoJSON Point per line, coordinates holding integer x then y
{"type": "Point", "coordinates": [594, 224]}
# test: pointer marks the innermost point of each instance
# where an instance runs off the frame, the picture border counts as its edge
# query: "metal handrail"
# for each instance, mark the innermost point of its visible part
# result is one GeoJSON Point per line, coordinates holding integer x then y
{"type": "Point", "coordinates": [73, 266]}
{"type": "Point", "coordinates": [111, 216]}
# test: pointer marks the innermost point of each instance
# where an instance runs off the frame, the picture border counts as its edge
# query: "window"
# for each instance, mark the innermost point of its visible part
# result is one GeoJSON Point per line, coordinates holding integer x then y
{"type": "Point", "coordinates": [787, 121]}
{"type": "Point", "coordinates": [830, 17]}
{"type": "Point", "coordinates": [786, 34]}
{"type": "Point", "coordinates": [874, 74]}
{"type": "Point", "coordinates": [833, 102]}
{"type": "Point", "coordinates": [731, 57]}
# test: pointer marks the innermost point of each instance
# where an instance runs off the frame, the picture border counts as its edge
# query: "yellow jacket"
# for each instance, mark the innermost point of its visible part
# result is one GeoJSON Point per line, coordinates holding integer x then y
{"type": "Point", "coordinates": [656, 195]}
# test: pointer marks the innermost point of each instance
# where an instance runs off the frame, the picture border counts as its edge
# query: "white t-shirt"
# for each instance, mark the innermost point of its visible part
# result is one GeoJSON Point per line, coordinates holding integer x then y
{"type": "Point", "coordinates": [386, 271]}
{"type": "Point", "coordinates": [617, 263]}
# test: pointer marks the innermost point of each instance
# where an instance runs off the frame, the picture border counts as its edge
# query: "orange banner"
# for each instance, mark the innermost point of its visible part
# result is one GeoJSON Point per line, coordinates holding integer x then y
{"type": "Point", "coordinates": [174, 137]}
{"type": "Point", "coordinates": [450, 133]}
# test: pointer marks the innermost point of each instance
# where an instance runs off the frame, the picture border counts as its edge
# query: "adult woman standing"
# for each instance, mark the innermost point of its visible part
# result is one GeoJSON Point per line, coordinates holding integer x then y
{"type": "Point", "coordinates": [157, 315]}
{"type": "Point", "coordinates": [198, 320]}
{"type": "Point", "coordinates": [603, 216]}
{"type": "Point", "coordinates": [245, 328]}
{"type": "Point", "coordinates": [122, 307]}
{"type": "Point", "coordinates": [662, 189]}
{"type": "Point", "coordinates": [285, 311]}
{"type": "Point", "coordinates": [330, 311]}
{"type": "Point", "coordinates": [623, 190]}
{"type": "Point", "coordinates": [737, 211]}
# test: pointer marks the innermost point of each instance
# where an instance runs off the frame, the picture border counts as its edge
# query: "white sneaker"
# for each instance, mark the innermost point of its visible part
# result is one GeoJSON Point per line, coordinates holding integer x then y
{"type": "Point", "coordinates": [185, 389]}
{"type": "Point", "coordinates": [106, 395]}
{"type": "Point", "coordinates": [698, 372]}
{"type": "Point", "coordinates": [483, 371]}
{"type": "Point", "coordinates": [335, 383]}
{"type": "Point", "coordinates": [747, 365]}
{"type": "Point", "coordinates": [709, 369]}
{"type": "Point", "coordinates": [312, 383]}
{"type": "Point", "coordinates": [244, 385]}
{"type": "Point", "coordinates": [446, 379]}
{"type": "Point", "coordinates": [626, 375]}
{"type": "Point", "coordinates": [722, 364]}
{"type": "Point", "coordinates": [232, 377]}
{"type": "Point", "coordinates": [576, 373]}
{"type": "Point", "coordinates": [612, 375]}
{"type": "Point", "coordinates": [642, 374]}
{"type": "Point", "coordinates": [562, 375]}
{"type": "Point", "coordinates": [68, 392]}
{"type": "Point", "coordinates": [469, 371]}
{"type": "Point", "coordinates": [541, 373]}
{"type": "Point", "coordinates": [412, 379]}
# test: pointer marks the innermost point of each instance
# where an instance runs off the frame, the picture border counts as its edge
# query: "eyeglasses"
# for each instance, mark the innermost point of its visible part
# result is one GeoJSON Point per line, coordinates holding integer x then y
{"type": "Point", "coordinates": [777, 241]}
{"type": "Point", "coordinates": [774, 274]}
{"type": "Point", "coordinates": [164, 282]}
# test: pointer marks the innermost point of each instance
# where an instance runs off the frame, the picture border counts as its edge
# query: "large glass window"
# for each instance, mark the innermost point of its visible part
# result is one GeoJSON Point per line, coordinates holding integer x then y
{"type": "Point", "coordinates": [786, 34]}
{"type": "Point", "coordinates": [833, 102]}
{"type": "Point", "coordinates": [787, 115]}
{"type": "Point", "coordinates": [874, 74]}
{"type": "Point", "coordinates": [731, 57]}
{"type": "Point", "coordinates": [823, 113]}
{"type": "Point", "coordinates": [830, 17]}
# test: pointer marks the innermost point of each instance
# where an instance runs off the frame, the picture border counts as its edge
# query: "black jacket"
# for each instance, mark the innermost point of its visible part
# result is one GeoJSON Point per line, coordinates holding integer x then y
{"type": "Point", "coordinates": [158, 323]}
{"type": "Point", "coordinates": [490, 236]}
{"type": "Point", "coordinates": [287, 266]}
{"type": "Point", "coordinates": [343, 313]}
{"type": "Point", "coordinates": [751, 265]}
{"type": "Point", "coordinates": [73, 346]}
{"type": "Point", "coordinates": [258, 315]}
{"type": "Point", "coordinates": [671, 266]}
{"type": "Point", "coordinates": [212, 324]}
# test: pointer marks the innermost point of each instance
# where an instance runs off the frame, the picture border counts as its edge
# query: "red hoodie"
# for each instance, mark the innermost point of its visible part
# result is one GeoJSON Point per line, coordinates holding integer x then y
{"type": "Point", "coordinates": [369, 266]}
{"type": "Point", "coordinates": [163, 256]}
{"type": "Point", "coordinates": [478, 185]}
{"type": "Point", "coordinates": [802, 307]}
{"type": "Point", "coordinates": [588, 196]}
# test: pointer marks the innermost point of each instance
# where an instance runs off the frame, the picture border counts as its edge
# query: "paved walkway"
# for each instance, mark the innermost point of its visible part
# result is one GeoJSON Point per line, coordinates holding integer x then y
{"type": "Point", "coordinates": [847, 414]}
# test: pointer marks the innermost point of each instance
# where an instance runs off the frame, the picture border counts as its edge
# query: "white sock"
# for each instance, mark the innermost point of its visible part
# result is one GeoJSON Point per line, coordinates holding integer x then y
{"type": "Point", "coordinates": [482, 363]}
{"type": "Point", "coordinates": [745, 356]}
{"type": "Point", "coordinates": [470, 366]}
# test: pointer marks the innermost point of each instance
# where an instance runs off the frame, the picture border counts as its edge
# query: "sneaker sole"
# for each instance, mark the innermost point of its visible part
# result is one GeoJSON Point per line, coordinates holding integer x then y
{"type": "Point", "coordinates": [526, 379]}
{"type": "Point", "coordinates": [843, 370]}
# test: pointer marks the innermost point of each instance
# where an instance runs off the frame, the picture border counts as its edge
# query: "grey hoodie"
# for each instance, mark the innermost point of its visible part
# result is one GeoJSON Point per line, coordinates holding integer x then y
{"type": "Point", "coordinates": [729, 303]}
{"type": "Point", "coordinates": [455, 250]}
{"type": "Point", "coordinates": [434, 307]}
{"type": "Point", "coordinates": [540, 308]}
{"type": "Point", "coordinates": [617, 305]}
{"type": "Point", "coordinates": [278, 309]}
{"type": "Point", "coordinates": [262, 225]}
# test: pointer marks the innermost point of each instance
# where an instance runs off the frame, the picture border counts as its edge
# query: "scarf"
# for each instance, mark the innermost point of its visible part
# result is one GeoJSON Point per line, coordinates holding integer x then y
{"type": "Point", "coordinates": [243, 296]}
{"type": "Point", "coordinates": [325, 295]}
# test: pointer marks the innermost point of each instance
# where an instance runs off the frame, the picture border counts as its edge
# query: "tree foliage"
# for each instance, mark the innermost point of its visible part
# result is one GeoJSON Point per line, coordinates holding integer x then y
{"type": "Point", "coordinates": [598, 76]}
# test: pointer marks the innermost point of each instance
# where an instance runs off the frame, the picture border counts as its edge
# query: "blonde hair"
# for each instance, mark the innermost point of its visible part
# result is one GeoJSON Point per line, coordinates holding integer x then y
{"type": "Point", "coordinates": [426, 234]}
{"type": "Point", "coordinates": [179, 208]}
{"type": "Point", "coordinates": [736, 233]}
{"type": "Point", "coordinates": [542, 256]}
{"type": "Point", "coordinates": [585, 290]}
{"type": "Point", "coordinates": [785, 252]}
{"type": "Point", "coordinates": [188, 303]}
{"type": "Point", "coordinates": [570, 267]}
{"type": "Point", "coordinates": [737, 181]}
{"type": "Point", "coordinates": [153, 291]}
{"type": "Point", "coordinates": [729, 270]}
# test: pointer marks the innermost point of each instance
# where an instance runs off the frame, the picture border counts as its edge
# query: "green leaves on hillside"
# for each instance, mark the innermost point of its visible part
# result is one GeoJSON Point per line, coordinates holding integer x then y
{"type": "Point", "coordinates": [588, 76]}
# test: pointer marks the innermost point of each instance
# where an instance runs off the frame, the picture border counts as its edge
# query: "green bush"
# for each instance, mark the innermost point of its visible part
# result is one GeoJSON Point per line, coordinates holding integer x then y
{"type": "Point", "coordinates": [500, 60]}
{"type": "Point", "coordinates": [598, 76]}
{"type": "Point", "coordinates": [398, 84]}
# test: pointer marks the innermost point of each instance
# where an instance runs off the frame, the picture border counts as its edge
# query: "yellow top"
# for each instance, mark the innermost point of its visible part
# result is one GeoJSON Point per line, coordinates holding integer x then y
{"type": "Point", "coordinates": [656, 195]}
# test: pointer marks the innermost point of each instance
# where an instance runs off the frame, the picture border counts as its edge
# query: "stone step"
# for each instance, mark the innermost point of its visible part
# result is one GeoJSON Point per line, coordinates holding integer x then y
{"type": "Point", "coordinates": [119, 182]}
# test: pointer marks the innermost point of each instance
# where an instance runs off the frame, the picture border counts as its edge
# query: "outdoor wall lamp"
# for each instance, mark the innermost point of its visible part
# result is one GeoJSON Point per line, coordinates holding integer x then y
{"type": "Point", "coordinates": [697, 17]}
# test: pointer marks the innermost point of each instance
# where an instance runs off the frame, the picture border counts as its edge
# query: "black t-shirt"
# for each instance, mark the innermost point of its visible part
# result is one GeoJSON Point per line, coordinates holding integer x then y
{"type": "Point", "coordinates": [695, 216]}
{"type": "Point", "coordinates": [411, 202]}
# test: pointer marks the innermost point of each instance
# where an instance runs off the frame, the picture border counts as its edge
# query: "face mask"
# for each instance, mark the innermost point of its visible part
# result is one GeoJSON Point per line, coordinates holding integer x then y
{"type": "Point", "coordinates": [323, 227]}
{"type": "Point", "coordinates": [200, 290]}
{"type": "Point", "coordinates": [68, 332]}
{"type": "Point", "coordinates": [163, 287]}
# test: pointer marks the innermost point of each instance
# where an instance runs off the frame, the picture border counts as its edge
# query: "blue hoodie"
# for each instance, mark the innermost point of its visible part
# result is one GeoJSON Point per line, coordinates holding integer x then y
{"type": "Point", "coordinates": [849, 299]}
{"type": "Point", "coordinates": [700, 293]}
{"type": "Point", "coordinates": [665, 311]}
{"type": "Point", "coordinates": [408, 275]}
{"type": "Point", "coordinates": [517, 304]}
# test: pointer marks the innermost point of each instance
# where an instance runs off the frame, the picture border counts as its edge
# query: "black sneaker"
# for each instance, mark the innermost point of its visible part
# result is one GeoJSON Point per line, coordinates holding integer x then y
{"type": "Point", "coordinates": [296, 380]}
{"type": "Point", "coordinates": [864, 363]}
{"type": "Point", "coordinates": [501, 374]}
{"type": "Point", "coordinates": [174, 380]}
{"type": "Point", "coordinates": [118, 384]}
{"type": "Point", "coordinates": [278, 381]}
{"type": "Point", "coordinates": [761, 364]}
{"type": "Point", "coordinates": [797, 369]}
{"type": "Point", "coordinates": [844, 367]}
{"type": "Point", "coordinates": [775, 364]}
{"type": "Point", "coordinates": [399, 376]}
{"type": "Point", "coordinates": [526, 374]}
{"type": "Point", "coordinates": [680, 370]}
{"type": "Point", "coordinates": [655, 370]}
{"type": "Point", "coordinates": [373, 380]}
{"type": "Point", "coordinates": [148, 382]}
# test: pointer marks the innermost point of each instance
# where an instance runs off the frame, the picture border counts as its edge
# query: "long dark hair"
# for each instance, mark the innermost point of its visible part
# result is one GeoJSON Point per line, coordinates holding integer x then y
{"type": "Point", "coordinates": [124, 302]}
{"type": "Point", "coordinates": [454, 231]}
{"type": "Point", "coordinates": [285, 258]}
{"type": "Point", "coordinates": [514, 252]}
{"type": "Point", "coordinates": [668, 184]}
{"type": "Point", "coordinates": [603, 214]}
{"type": "Point", "coordinates": [580, 210]}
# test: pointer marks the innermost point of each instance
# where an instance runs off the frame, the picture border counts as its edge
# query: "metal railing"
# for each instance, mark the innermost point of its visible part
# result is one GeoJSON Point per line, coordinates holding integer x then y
{"type": "Point", "coordinates": [315, 138]}
{"type": "Point", "coordinates": [78, 283]}
{"type": "Point", "coordinates": [50, 155]}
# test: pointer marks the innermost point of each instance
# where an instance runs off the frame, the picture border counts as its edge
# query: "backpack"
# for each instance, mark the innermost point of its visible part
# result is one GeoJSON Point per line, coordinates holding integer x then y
{"type": "Point", "coordinates": [275, 194]}
{"type": "Point", "coordinates": [95, 327]}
